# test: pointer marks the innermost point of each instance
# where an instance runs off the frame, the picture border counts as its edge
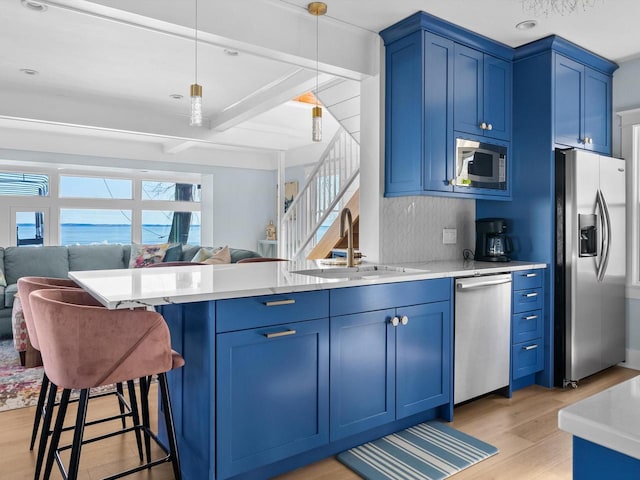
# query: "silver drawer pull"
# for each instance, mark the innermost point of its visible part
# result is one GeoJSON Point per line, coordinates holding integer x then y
{"type": "Point", "coordinates": [280, 334]}
{"type": "Point", "coordinates": [280, 302]}
{"type": "Point", "coordinates": [529, 295]}
{"type": "Point", "coordinates": [530, 347]}
{"type": "Point", "coordinates": [530, 317]}
{"type": "Point", "coordinates": [529, 275]}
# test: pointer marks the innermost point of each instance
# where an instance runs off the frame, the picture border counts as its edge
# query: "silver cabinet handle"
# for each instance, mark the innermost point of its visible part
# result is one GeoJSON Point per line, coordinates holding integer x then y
{"type": "Point", "coordinates": [395, 321]}
{"type": "Point", "coordinates": [483, 126]}
{"type": "Point", "coordinates": [530, 317]}
{"type": "Point", "coordinates": [404, 320]}
{"type": "Point", "coordinates": [280, 302]}
{"type": "Point", "coordinates": [489, 127]}
{"type": "Point", "coordinates": [529, 295]}
{"type": "Point", "coordinates": [530, 275]}
{"type": "Point", "coordinates": [452, 181]}
{"type": "Point", "coordinates": [530, 347]}
{"type": "Point", "coordinates": [280, 334]}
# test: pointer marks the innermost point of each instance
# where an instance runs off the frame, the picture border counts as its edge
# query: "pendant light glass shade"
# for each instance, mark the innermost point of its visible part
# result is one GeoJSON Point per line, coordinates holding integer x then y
{"type": "Point", "coordinates": [196, 105]}
{"type": "Point", "coordinates": [316, 124]}
{"type": "Point", "coordinates": [196, 90]}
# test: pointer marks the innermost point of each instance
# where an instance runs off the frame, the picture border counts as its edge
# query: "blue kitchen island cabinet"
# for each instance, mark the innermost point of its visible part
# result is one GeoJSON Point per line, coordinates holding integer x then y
{"type": "Point", "coordinates": [389, 364]}
{"type": "Point", "coordinates": [441, 80]}
{"type": "Point", "coordinates": [273, 394]}
{"type": "Point", "coordinates": [268, 378]}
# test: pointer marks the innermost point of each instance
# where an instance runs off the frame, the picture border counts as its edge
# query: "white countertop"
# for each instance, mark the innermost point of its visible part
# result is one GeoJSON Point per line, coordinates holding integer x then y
{"type": "Point", "coordinates": [124, 288]}
{"type": "Point", "coordinates": [610, 418]}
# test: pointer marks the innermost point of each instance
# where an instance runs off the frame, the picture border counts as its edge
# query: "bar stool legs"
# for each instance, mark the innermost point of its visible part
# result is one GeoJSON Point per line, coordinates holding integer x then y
{"type": "Point", "coordinates": [140, 427]}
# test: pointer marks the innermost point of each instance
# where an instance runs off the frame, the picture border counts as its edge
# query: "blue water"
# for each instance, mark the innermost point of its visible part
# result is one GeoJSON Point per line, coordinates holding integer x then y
{"type": "Point", "coordinates": [86, 234]}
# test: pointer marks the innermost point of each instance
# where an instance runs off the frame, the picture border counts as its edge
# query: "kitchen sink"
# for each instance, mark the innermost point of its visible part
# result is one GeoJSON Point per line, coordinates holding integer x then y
{"type": "Point", "coordinates": [361, 271]}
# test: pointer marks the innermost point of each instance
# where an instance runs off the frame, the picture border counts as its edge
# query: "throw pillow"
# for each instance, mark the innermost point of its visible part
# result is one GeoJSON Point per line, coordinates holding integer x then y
{"type": "Point", "coordinates": [3, 281]}
{"type": "Point", "coordinates": [213, 256]}
{"type": "Point", "coordinates": [143, 255]}
{"type": "Point", "coordinates": [173, 253]}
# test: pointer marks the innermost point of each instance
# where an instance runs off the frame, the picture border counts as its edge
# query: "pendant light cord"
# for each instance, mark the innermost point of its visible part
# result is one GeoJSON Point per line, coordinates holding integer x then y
{"type": "Point", "coordinates": [196, 36]}
{"type": "Point", "coordinates": [317, 55]}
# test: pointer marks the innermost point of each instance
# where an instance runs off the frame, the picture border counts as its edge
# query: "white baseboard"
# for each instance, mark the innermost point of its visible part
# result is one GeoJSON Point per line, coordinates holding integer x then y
{"type": "Point", "coordinates": [633, 359]}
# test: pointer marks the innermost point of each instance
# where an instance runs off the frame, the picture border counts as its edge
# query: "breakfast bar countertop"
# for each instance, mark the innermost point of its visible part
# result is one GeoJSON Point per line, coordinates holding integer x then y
{"type": "Point", "coordinates": [610, 418]}
{"type": "Point", "coordinates": [127, 288]}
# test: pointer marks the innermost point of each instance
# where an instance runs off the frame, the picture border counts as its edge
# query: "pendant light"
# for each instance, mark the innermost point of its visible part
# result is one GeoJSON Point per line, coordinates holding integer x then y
{"type": "Point", "coordinates": [316, 9]}
{"type": "Point", "coordinates": [196, 90]}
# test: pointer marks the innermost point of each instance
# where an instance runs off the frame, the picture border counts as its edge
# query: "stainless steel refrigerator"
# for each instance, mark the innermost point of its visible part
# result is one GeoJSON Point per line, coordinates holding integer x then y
{"type": "Point", "coordinates": [590, 269]}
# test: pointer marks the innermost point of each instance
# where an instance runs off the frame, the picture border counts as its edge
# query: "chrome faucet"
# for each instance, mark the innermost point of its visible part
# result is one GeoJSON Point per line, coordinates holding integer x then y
{"type": "Point", "coordinates": [346, 213]}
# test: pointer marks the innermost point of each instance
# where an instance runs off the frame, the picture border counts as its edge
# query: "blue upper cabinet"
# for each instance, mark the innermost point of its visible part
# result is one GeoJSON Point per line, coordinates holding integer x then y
{"type": "Point", "coordinates": [482, 94]}
{"type": "Point", "coordinates": [440, 79]}
{"type": "Point", "coordinates": [582, 107]}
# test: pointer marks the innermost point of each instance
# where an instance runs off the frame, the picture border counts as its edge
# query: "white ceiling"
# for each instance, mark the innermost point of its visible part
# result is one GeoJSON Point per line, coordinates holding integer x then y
{"type": "Point", "coordinates": [113, 64]}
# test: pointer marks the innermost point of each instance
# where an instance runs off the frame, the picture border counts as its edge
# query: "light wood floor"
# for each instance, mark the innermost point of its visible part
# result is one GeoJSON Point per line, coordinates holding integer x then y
{"type": "Point", "coordinates": [524, 428]}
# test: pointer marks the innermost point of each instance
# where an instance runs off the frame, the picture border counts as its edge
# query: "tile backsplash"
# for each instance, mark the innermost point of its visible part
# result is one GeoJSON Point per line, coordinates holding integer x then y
{"type": "Point", "coordinates": [411, 228]}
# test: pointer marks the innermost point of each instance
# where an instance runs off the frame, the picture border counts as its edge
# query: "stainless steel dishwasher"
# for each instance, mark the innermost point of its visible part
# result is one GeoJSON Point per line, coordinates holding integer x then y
{"type": "Point", "coordinates": [482, 335]}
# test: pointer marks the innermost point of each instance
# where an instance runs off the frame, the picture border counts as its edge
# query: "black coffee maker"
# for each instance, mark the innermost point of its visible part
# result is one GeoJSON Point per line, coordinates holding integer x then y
{"type": "Point", "coordinates": [492, 244]}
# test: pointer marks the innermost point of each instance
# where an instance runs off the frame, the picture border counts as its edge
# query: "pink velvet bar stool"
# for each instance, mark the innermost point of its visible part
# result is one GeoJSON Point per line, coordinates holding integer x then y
{"type": "Point", "coordinates": [26, 285]}
{"type": "Point", "coordinates": [86, 346]}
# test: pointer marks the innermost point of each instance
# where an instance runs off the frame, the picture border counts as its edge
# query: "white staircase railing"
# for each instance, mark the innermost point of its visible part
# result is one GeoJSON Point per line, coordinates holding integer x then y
{"type": "Point", "coordinates": [321, 194]}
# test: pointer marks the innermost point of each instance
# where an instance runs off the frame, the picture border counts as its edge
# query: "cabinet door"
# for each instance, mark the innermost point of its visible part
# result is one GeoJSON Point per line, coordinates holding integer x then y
{"type": "Point", "coordinates": [273, 394]}
{"type": "Point", "coordinates": [438, 126]}
{"type": "Point", "coordinates": [362, 372]}
{"type": "Point", "coordinates": [597, 111]}
{"type": "Point", "coordinates": [497, 97]}
{"type": "Point", "coordinates": [423, 358]}
{"type": "Point", "coordinates": [404, 106]}
{"type": "Point", "coordinates": [569, 101]}
{"type": "Point", "coordinates": [468, 90]}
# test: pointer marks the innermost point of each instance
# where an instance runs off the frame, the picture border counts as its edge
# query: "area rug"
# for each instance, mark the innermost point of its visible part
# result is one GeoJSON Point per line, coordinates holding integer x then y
{"type": "Point", "coordinates": [429, 451]}
{"type": "Point", "coordinates": [19, 386]}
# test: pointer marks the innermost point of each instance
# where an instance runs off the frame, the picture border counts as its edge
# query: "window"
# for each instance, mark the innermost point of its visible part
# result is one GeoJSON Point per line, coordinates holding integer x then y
{"type": "Point", "coordinates": [88, 226]}
{"type": "Point", "coordinates": [27, 184]}
{"type": "Point", "coordinates": [182, 192]}
{"type": "Point", "coordinates": [30, 228]}
{"type": "Point", "coordinates": [164, 226]}
{"type": "Point", "coordinates": [630, 145]}
{"type": "Point", "coordinates": [94, 187]}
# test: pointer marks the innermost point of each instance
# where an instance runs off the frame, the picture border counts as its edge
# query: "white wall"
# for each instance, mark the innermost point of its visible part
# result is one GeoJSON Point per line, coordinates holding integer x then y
{"type": "Point", "coordinates": [244, 202]}
{"type": "Point", "coordinates": [626, 96]}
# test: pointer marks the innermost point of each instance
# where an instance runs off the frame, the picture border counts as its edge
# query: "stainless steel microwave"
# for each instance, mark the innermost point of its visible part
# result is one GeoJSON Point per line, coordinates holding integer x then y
{"type": "Point", "coordinates": [480, 165]}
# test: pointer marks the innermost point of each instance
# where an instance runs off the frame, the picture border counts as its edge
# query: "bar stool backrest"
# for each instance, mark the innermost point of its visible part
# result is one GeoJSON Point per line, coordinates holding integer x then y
{"type": "Point", "coordinates": [26, 285]}
{"type": "Point", "coordinates": [86, 346]}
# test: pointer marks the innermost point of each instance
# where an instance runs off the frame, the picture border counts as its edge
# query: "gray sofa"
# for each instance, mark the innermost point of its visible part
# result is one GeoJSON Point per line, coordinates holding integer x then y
{"type": "Point", "coordinates": [16, 262]}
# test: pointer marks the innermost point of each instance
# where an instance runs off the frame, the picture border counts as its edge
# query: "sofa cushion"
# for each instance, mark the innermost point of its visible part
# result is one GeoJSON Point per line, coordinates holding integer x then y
{"type": "Point", "coordinates": [96, 257]}
{"type": "Point", "coordinates": [143, 255]}
{"type": "Point", "coordinates": [239, 254]}
{"type": "Point", "coordinates": [188, 252]}
{"type": "Point", "coordinates": [36, 262]}
{"type": "Point", "coordinates": [9, 293]}
{"type": "Point", "coordinates": [173, 253]}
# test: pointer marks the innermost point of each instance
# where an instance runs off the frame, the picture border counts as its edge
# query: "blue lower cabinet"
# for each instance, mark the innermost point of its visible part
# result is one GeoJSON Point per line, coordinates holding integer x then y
{"type": "Point", "coordinates": [272, 394]}
{"type": "Point", "coordinates": [387, 365]}
{"type": "Point", "coordinates": [362, 372]}
{"type": "Point", "coordinates": [423, 358]}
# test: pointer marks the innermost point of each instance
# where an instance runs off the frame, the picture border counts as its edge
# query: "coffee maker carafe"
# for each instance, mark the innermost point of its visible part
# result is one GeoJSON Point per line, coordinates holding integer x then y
{"type": "Point", "coordinates": [492, 244]}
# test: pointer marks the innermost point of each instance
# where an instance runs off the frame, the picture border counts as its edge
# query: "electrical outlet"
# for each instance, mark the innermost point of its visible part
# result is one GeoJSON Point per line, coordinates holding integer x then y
{"type": "Point", "coordinates": [449, 236]}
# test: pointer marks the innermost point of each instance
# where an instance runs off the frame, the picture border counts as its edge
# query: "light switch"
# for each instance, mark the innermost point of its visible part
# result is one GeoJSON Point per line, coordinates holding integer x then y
{"type": "Point", "coordinates": [449, 236]}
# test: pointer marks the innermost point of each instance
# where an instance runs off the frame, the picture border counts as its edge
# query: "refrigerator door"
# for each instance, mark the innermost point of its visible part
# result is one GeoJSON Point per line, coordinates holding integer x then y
{"type": "Point", "coordinates": [595, 285]}
{"type": "Point", "coordinates": [583, 305]}
{"type": "Point", "coordinates": [612, 287]}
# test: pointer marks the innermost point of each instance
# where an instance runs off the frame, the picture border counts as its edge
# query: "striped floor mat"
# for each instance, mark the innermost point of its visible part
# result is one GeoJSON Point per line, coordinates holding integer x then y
{"type": "Point", "coordinates": [430, 451]}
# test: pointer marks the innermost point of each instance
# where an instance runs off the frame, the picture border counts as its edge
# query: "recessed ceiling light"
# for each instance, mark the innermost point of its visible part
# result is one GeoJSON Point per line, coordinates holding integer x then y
{"type": "Point", "coordinates": [176, 96]}
{"type": "Point", "coordinates": [526, 25]}
{"type": "Point", "coordinates": [231, 53]}
{"type": "Point", "coordinates": [33, 5]}
{"type": "Point", "coordinates": [29, 71]}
